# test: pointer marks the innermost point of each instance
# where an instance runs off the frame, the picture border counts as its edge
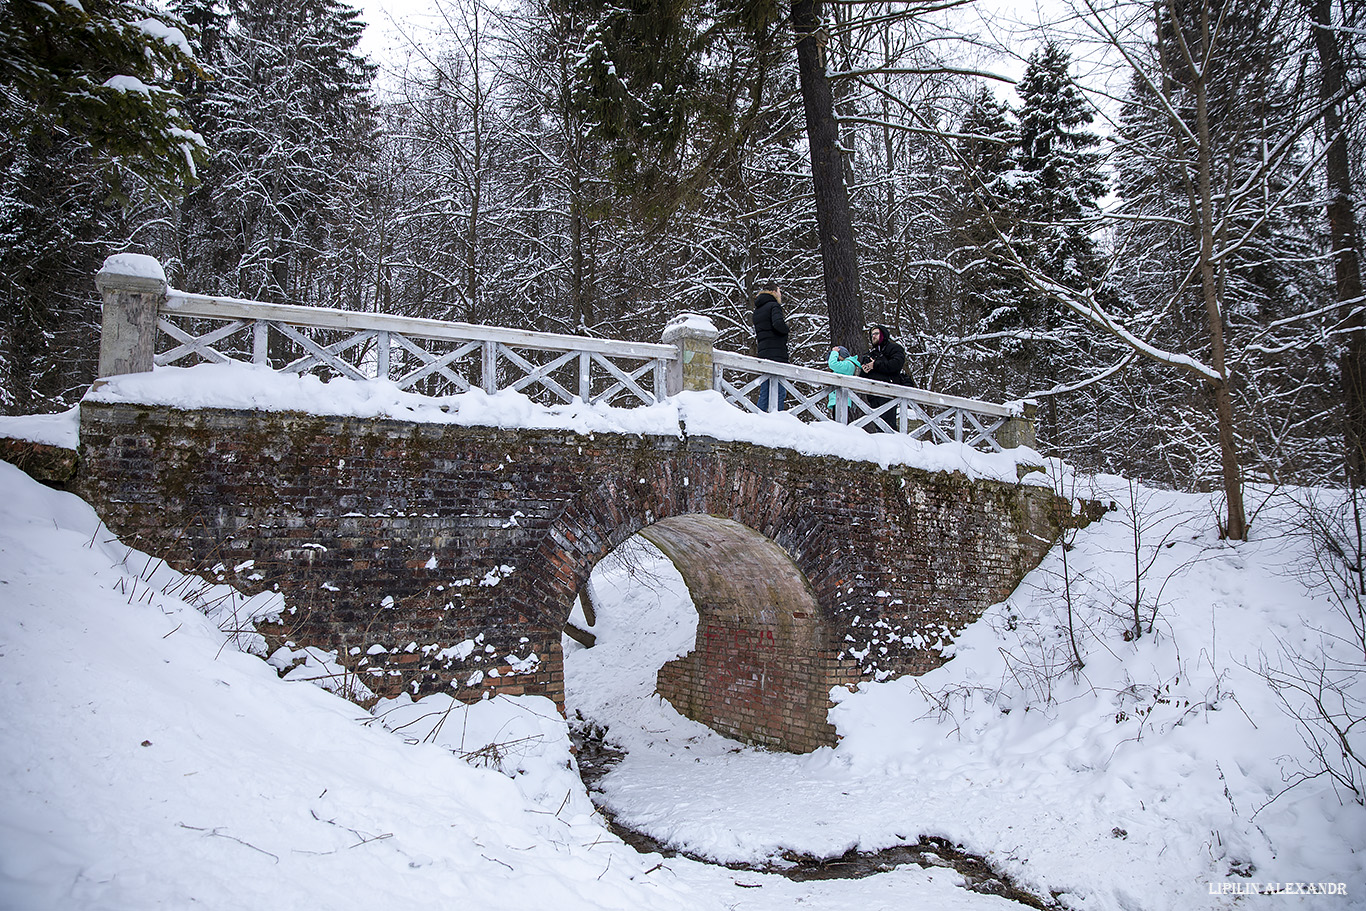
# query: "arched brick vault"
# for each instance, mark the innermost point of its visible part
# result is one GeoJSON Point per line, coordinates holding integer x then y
{"type": "Point", "coordinates": [761, 667]}
{"type": "Point", "coordinates": [446, 558]}
{"type": "Point", "coordinates": [747, 547]}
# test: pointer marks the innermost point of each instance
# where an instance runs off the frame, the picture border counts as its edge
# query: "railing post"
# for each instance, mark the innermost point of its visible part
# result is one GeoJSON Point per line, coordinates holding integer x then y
{"type": "Point", "coordinates": [695, 337]}
{"type": "Point", "coordinates": [1018, 430]}
{"type": "Point", "coordinates": [132, 289]}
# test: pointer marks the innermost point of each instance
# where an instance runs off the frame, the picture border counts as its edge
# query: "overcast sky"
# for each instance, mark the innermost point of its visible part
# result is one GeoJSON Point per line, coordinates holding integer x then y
{"type": "Point", "coordinates": [387, 23]}
{"type": "Point", "coordinates": [1014, 25]}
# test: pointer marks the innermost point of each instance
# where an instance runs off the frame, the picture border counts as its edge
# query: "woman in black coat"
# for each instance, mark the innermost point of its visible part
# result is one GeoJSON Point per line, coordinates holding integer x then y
{"type": "Point", "coordinates": [770, 337]}
{"type": "Point", "coordinates": [770, 328]}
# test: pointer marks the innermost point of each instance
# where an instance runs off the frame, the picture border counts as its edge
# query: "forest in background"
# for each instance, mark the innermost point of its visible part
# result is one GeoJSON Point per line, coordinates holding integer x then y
{"type": "Point", "coordinates": [1152, 232]}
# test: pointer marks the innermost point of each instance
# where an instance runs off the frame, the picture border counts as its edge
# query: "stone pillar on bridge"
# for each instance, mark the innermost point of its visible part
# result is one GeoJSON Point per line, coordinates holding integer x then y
{"type": "Point", "coordinates": [695, 337]}
{"type": "Point", "coordinates": [132, 288]}
{"type": "Point", "coordinates": [1018, 430]}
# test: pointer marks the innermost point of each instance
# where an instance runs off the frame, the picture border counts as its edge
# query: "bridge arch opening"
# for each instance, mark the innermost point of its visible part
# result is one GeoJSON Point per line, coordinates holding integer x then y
{"type": "Point", "coordinates": [758, 668]}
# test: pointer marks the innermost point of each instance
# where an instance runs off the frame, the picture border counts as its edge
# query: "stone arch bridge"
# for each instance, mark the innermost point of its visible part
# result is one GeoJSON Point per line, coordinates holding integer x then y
{"type": "Point", "coordinates": [436, 557]}
{"type": "Point", "coordinates": [442, 557]}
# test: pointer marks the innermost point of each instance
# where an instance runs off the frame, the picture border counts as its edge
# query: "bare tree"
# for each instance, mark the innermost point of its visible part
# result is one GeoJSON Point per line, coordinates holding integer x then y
{"type": "Point", "coordinates": [1217, 116]}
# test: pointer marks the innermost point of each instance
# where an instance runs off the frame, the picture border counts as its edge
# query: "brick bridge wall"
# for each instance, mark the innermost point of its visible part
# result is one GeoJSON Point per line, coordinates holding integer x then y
{"type": "Point", "coordinates": [436, 557]}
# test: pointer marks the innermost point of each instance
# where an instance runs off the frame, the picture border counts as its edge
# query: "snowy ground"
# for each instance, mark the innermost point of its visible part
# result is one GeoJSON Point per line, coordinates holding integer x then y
{"type": "Point", "coordinates": [1146, 781]}
{"type": "Point", "coordinates": [146, 762]}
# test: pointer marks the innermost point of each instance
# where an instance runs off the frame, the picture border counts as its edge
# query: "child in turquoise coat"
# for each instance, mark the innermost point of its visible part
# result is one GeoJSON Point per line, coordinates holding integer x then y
{"type": "Point", "coordinates": [841, 361]}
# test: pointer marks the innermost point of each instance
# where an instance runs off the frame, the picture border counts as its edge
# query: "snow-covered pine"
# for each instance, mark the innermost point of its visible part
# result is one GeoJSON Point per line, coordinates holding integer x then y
{"type": "Point", "coordinates": [286, 112]}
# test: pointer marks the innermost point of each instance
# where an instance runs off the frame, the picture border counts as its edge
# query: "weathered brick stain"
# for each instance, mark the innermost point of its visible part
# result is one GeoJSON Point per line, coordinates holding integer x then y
{"type": "Point", "coordinates": [436, 557]}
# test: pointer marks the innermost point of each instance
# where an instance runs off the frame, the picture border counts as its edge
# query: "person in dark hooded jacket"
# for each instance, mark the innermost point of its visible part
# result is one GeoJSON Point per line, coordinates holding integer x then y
{"type": "Point", "coordinates": [770, 336]}
{"type": "Point", "coordinates": [884, 361]}
{"type": "Point", "coordinates": [885, 358]}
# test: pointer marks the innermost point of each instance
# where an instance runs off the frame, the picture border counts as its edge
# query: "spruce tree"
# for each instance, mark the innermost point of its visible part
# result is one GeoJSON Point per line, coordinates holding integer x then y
{"type": "Point", "coordinates": [103, 72]}
{"type": "Point", "coordinates": [1061, 179]}
{"type": "Point", "coordinates": [1059, 183]}
{"type": "Point", "coordinates": [659, 85]}
{"type": "Point", "coordinates": [57, 224]}
{"type": "Point", "coordinates": [287, 113]}
{"type": "Point", "coordinates": [989, 290]}
{"type": "Point", "coordinates": [1028, 196]}
{"type": "Point", "coordinates": [90, 122]}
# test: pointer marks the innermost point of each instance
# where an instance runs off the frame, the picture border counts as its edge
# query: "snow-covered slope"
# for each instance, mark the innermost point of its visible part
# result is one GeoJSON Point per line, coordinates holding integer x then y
{"type": "Point", "coordinates": [146, 762]}
{"type": "Point", "coordinates": [1154, 777]}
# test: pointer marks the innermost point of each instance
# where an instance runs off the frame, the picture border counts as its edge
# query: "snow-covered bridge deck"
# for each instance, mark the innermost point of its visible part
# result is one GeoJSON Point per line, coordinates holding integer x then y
{"type": "Point", "coordinates": [148, 323]}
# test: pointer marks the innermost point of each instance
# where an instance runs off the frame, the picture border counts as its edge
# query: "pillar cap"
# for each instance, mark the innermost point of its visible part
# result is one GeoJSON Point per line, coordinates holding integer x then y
{"type": "Point", "coordinates": [691, 325]}
{"type": "Point", "coordinates": [133, 271]}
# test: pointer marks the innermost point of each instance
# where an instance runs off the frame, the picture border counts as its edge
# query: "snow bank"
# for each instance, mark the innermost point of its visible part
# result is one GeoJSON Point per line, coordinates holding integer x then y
{"type": "Point", "coordinates": [148, 763]}
{"type": "Point", "coordinates": [148, 760]}
{"type": "Point", "coordinates": [1155, 777]}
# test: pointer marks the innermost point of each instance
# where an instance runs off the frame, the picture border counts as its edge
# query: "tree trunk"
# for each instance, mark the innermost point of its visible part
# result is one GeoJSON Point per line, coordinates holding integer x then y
{"type": "Point", "coordinates": [1342, 230]}
{"type": "Point", "coordinates": [581, 636]}
{"type": "Point", "coordinates": [581, 306]}
{"type": "Point", "coordinates": [834, 222]}
{"type": "Point", "coordinates": [590, 611]}
{"type": "Point", "coordinates": [1235, 527]}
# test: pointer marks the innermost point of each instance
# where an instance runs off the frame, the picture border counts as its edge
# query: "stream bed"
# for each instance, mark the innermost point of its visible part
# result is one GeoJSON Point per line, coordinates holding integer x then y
{"type": "Point", "coordinates": [596, 756]}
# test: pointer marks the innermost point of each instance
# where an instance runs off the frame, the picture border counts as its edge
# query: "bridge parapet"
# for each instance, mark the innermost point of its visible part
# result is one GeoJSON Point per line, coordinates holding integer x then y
{"type": "Point", "coordinates": [148, 323]}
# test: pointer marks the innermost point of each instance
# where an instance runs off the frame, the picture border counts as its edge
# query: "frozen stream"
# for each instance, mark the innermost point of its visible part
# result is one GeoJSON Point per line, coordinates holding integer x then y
{"type": "Point", "coordinates": [672, 785]}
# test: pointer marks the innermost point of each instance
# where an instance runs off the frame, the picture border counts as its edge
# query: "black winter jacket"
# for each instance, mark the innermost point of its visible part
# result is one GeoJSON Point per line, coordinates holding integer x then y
{"type": "Point", "coordinates": [888, 358]}
{"type": "Point", "coordinates": [770, 329]}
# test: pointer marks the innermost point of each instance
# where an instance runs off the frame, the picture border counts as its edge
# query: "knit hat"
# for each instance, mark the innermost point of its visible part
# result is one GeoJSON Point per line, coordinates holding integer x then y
{"type": "Point", "coordinates": [842, 351]}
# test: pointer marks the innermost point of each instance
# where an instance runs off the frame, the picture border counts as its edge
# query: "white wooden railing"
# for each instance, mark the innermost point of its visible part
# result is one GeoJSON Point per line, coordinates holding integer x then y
{"type": "Point", "coordinates": [424, 355]}
{"type": "Point", "coordinates": [870, 404]}
{"type": "Point", "coordinates": [147, 323]}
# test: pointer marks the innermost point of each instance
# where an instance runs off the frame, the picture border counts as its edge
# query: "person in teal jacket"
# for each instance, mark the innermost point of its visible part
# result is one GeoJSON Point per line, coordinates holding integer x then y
{"type": "Point", "coordinates": [841, 361]}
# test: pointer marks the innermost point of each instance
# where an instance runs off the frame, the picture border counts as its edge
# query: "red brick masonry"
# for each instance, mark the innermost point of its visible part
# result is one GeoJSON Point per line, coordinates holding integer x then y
{"type": "Point", "coordinates": [443, 558]}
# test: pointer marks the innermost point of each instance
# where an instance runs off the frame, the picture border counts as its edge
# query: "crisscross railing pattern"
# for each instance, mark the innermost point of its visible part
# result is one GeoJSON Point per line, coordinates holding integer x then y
{"type": "Point", "coordinates": [146, 323]}
{"type": "Point", "coordinates": [432, 357]}
{"type": "Point", "coordinates": [821, 396]}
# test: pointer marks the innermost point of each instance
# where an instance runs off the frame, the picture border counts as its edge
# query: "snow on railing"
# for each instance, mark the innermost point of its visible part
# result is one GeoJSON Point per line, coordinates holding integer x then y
{"type": "Point", "coordinates": [147, 323]}
{"type": "Point", "coordinates": [870, 404]}
{"type": "Point", "coordinates": [433, 357]}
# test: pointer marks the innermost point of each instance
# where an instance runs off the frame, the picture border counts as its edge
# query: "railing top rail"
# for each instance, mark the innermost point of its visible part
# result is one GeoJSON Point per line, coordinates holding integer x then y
{"type": "Point", "coordinates": [860, 384]}
{"type": "Point", "coordinates": [202, 305]}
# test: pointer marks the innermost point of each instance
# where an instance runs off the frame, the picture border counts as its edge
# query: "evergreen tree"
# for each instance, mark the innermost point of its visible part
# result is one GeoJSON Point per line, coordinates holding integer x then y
{"type": "Point", "coordinates": [57, 224]}
{"type": "Point", "coordinates": [288, 116]}
{"type": "Point", "coordinates": [104, 73]}
{"type": "Point", "coordinates": [1060, 168]}
{"type": "Point", "coordinates": [1059, 183]}
{"type": "Point", "coordinates": [989, 291]}
{"type": "Point", "coordinates": [89, 121]}
{"type": "Point", "coordinates": [658, 83]}
{"type": "Point", "coordinates": [1027, 194]}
